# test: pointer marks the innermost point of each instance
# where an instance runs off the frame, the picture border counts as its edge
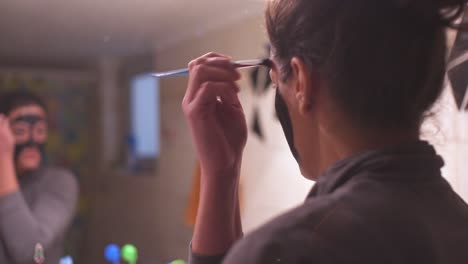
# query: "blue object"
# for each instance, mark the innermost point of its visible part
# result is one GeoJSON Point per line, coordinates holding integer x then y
{"type": "Point", "coordinates": [66, 260]}
{"type": "Point", "coordinates": [145, 117]}
{"type": "Point", "coordinates": [112, 253]}
{"type": "Point", "coordinates": [131, 153]}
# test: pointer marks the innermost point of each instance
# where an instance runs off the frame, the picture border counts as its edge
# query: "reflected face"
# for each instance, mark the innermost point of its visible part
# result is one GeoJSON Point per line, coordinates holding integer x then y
{"type": "Point", "coordinates": [29, 127]}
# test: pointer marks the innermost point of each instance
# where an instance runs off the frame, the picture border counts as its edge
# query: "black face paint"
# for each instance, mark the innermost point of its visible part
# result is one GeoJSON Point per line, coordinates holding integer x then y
{"type": "Point", "coordinates": [283, 116]}
{"type": "Point", "coordinates": [30, 143]}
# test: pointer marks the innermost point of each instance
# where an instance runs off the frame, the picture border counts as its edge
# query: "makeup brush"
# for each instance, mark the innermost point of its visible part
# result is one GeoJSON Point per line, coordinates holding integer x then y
{"type": "Point", "coordinates": [243, 64]}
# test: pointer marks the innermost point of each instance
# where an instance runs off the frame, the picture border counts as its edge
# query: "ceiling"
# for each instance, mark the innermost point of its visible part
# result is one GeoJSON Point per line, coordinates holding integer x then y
{"type": "Point", "coordinates": [32, 30]}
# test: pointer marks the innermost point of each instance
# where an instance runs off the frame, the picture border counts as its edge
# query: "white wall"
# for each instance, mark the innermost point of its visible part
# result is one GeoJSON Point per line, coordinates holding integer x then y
{"type": "Point", "coordinates": [447, 130]}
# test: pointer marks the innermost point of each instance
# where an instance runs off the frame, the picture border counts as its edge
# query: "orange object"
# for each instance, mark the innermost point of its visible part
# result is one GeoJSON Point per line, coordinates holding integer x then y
{"type": "Point", "coordinates": [192, 208]}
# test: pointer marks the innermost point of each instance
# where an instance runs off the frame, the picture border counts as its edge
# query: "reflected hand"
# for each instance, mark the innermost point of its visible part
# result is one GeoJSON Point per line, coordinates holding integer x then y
{"type": "Point", "coordinates": [7, 140]}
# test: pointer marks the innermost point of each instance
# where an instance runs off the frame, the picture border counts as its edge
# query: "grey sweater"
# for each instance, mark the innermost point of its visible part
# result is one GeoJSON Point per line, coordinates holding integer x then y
{"type": "Point", "coordinates": [389, 206]}
{"type": "Point", "coordinates": [39, 213]}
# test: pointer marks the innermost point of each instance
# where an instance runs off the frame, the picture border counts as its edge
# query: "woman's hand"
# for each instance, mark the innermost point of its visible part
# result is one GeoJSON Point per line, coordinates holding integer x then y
{"type": "Point", "coordinates": [215, 115]}
{"type": "Point", "coordinates": [219, 132]}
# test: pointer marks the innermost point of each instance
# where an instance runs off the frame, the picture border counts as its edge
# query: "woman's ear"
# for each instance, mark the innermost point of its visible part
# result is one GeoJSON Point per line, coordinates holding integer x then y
{"type": "Point", "coordinates": [304, 83]}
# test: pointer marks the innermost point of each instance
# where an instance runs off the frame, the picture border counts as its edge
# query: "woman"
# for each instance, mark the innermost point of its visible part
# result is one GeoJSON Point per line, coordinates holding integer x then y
{"type": "Point", "coordinates": [36, 202]}
{"type": "Point", "coordinates": [354, 80]}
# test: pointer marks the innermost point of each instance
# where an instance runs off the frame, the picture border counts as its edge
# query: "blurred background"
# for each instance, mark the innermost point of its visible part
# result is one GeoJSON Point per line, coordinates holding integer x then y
{"type": "Point", "coordinates": [123, 133]}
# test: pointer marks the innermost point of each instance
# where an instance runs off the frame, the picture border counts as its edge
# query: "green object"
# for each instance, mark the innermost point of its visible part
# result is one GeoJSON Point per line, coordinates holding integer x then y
{"type": "Point", "coordinates": [130, 253]}
{"type": "Point", "coordinates": [179, 261]}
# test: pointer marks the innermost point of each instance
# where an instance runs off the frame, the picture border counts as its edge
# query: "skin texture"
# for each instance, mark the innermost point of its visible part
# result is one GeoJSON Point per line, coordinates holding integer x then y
{"type": "Point", "coordinates": [8, 181]}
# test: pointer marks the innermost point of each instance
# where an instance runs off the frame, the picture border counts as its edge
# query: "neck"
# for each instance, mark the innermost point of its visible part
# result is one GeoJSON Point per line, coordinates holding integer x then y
{"type": "Point", "coordinates": [350, 141]}
{"type": "Point", "coordinates": [340, 138]}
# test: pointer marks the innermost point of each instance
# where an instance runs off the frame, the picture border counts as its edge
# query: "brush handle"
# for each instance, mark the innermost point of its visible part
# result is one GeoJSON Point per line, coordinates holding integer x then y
{"type": "Point", "coordinates": [171, 73]}
{"type": "Point", "coordinates": [237, 64]}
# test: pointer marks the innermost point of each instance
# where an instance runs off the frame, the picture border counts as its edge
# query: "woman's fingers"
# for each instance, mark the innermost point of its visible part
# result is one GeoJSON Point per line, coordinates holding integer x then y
{"type": "Point", "coordinates": [209, 68]}
{"type": "Point", "coordinates": [210, 94]}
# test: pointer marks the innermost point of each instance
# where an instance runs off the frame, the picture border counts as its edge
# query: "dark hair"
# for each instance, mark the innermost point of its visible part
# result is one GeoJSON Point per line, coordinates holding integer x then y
{"type": "Point", "coordinates": [384, 61]}
{"type": "Point", "coordinates": [9, 101]}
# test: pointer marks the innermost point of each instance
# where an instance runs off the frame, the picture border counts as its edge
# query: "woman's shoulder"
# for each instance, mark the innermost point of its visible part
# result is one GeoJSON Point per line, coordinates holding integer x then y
{"type": "Point", "coordinates": [287, 237]}
{"type": "Point", "coordinates": [310, 215]}
{"type": "Point", "coordinates": [315, 232]}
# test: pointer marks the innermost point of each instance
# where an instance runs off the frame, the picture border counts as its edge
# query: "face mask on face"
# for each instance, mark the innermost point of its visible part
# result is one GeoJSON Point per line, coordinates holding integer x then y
{"type": "Point", "coordinates": [30, 143]}
{"type": "Point", "coordinates": [283, 116]}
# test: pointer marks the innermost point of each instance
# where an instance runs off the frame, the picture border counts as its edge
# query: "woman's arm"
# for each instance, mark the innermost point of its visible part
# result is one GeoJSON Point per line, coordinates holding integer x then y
{"type": "Point", "coordinates": [219, 133]}
{"type": "Point", "coordinates": [218, 219]}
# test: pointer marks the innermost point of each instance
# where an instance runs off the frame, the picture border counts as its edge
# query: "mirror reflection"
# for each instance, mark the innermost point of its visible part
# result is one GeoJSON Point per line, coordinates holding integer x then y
{"type": "Point", "coordinates": [100, 163]}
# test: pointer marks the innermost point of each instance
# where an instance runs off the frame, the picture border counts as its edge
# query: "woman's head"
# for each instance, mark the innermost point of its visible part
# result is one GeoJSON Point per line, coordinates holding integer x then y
{"type": "Point", "coordinates": [380, 64]}
{"type": "Point", "coordinates": [28, 118]}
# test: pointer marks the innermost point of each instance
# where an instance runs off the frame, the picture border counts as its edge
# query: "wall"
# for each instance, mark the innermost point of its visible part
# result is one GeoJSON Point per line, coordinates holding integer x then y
{"type": "Point", "coordinates": [130, 208]}
{"type": "Point", "coordinates": [147, 209]}
{"type": "Point", "coordinates": [447, 130]}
